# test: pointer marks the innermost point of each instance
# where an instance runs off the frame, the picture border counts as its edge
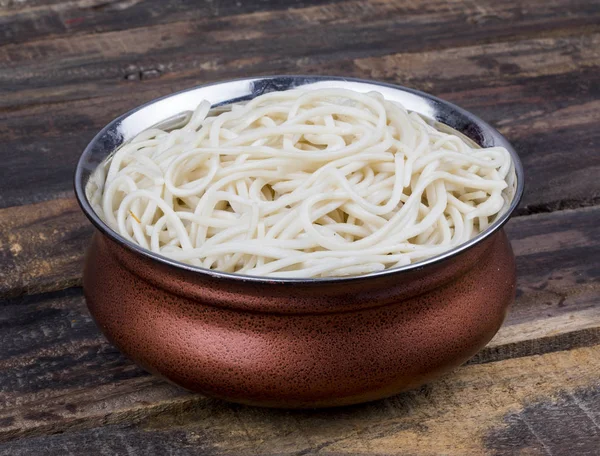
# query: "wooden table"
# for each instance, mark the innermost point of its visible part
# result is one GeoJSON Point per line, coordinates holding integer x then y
{"type": "Point", "coordinates": [530, 68]}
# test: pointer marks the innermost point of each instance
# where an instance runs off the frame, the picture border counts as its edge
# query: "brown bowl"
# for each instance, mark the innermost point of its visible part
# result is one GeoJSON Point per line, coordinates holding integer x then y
{"type": "Point", "coordinates": [297, 342]}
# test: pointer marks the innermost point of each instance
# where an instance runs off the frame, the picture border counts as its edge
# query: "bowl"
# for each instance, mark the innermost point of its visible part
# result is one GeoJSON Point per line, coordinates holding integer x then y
{"type": "Point", "coordinates": [296, 342]}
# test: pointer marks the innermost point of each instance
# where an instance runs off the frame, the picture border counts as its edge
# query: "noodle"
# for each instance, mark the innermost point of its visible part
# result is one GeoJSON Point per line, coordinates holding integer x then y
{"type": "Point", "coordinates": [300, 183]}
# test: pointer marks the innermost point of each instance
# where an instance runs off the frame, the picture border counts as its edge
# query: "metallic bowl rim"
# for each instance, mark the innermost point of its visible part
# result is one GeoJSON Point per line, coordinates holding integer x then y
{"type": "Point", "coordinates": [278, 82]}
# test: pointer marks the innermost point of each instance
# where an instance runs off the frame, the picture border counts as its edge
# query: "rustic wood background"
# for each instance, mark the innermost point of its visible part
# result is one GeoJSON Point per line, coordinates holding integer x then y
{"type": "Point", "coordinates": [531, 68]}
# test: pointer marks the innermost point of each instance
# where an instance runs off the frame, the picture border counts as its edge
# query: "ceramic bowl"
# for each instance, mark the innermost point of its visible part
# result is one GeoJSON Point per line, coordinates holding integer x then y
{"type": "Point", "coordinates": [296, 342]}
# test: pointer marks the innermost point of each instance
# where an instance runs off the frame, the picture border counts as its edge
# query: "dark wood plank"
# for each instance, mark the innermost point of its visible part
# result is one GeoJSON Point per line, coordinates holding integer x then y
{"type": "Point", "coordinates": [35, 20]}
{"type": "Point", "coordinates": [57, 372]}
{"type": "Point", "coordinates": [567, 424]}
{"type": "Point", "coordinates": [531, 405]}
{"type": "Point", "coordinates": [51, 345]}
{"type": "Point", "coordinates": [42, 247]}
{"type": "Point", "coordinates": [513, 91]}
{"type": "Point", "coordinates": [542, 93]}
{"type": "Point", "coordinates": [73, 65]}
{"type": "Point", "coordinates": [19, 5]}
{"type": "Point", "coordinates": [274, 41]}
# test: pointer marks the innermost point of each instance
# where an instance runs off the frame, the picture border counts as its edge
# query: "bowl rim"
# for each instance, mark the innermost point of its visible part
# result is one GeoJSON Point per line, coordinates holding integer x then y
{"type": "Point", "coordinates": [286, 82]}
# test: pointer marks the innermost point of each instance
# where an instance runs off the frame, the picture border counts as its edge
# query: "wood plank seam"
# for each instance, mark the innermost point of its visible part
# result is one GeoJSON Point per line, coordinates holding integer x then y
{"type": "Point", "coordinates": [377, 426]}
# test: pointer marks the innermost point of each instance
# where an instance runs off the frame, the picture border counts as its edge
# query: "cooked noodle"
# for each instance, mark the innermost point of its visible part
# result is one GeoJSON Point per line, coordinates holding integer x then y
{"type": "Point", "coordinates": [302, 184]}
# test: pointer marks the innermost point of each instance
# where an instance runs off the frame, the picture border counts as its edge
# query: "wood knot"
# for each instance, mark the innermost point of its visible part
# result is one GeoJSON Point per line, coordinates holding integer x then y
{"type": "Point", "coordinates": [141, 74]}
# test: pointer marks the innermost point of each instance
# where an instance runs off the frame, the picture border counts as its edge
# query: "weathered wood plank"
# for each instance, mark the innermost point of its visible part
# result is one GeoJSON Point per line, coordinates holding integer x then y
{"type": "Point", "coordinates": [100, 71]}
{"type": "Point", "coordinates": [546, 404]}
{"type": "Point", "coordinates": [567, 424]}
{"type": "Point", "coordinates": [77, 18]}
{"type": "Point", "coordinates": [56, 369]}
{"type": "Point", "coordinates": [542, 93]}
{"type": "Point", "coordinates": [515, 93]}
{"type": "Point", "coordinates": [59, 376]}
{"type": "Point", "coordinates": [35, 20]}
{"type": "Point", "coordinates": [557, 253]}
{"type": "Point", "coordinates": [42, 247]}
{"type": "Point", "coordinates": [273, 41]}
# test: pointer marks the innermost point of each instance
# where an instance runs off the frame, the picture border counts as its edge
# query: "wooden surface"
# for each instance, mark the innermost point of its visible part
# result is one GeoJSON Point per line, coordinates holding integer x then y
{"type": "Point", "coordinates": [530, 68]}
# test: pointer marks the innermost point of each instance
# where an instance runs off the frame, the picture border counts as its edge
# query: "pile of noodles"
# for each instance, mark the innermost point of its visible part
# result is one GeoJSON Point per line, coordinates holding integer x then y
{"type": "Point", "coordinates": [302, 184]}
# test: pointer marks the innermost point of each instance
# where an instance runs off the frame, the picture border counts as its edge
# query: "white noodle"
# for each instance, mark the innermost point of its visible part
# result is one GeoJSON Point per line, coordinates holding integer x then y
{"type": "Point", "coordinates": [302, 184]}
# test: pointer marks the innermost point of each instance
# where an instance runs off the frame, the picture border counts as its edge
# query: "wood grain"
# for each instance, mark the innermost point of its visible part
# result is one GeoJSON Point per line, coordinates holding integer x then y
{"type": "Point", "coordinates": [348, 29]}
{"type": "Point", "coordinates": [532, 69]}
{"type": "Point", "coordinates": [64, 89]}
{"type": "Point", "coordinates": [58, 372]}
{"type": "Point", "coordinates": [42, 247]}
{"type": "Point", "coordinates": [307, 39]}
{"type": "Point", "coordinates": [35, 20]}
{"type": "Point", "coordinates": [546, 404]}
{"type": "Point", "coordinates": [521, 98]}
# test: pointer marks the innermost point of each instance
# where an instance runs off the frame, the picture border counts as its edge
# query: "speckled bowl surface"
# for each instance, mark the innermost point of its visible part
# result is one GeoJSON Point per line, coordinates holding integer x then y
{"type": "Point", "coordinates": [296, 342]}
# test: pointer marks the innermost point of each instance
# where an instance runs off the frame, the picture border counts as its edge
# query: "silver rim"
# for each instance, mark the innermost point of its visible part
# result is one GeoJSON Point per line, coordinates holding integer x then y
{"type": "Point", "coordinates": [125, 127]}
